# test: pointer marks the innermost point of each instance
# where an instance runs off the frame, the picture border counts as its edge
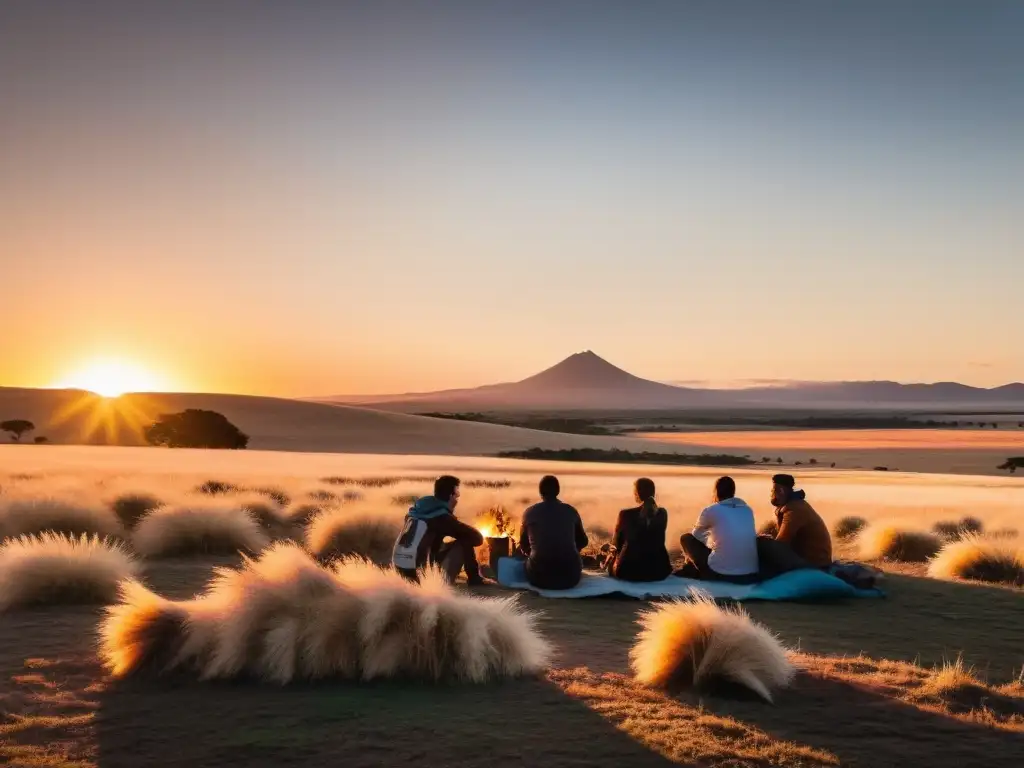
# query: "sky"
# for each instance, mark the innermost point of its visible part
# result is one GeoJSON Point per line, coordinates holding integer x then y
{"type": "Point", "coordinates": [314, 198]}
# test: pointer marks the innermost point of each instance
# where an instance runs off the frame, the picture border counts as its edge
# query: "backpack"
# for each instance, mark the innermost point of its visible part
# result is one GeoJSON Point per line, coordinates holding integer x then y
{"type": "Point", "coordinates": [407, 545]}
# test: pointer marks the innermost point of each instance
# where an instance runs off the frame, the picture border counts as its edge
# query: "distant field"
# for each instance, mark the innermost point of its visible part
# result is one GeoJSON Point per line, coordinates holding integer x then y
{"type": "Point", "coordinates": [954, 451]}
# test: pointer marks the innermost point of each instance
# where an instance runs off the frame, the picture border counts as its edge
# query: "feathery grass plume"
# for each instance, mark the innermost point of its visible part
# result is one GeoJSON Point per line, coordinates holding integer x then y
{"type": "Point", "coordinates": [971, 525]}
{"type": "Point", "coordinates": [769, 528]}
{"type": "Point", "coordinates": [267, 514]}
{"type": "Point", "coordinates": [281, 617]}
{"type": "Point", "coordinates": [947, 530]}
{"type": "Point", "coordinates": [848, 527]}
{"type": "Point", "coordinates": [130, 508]}
{"type": "Point", "coordinates": [340, 532]}
{"type": "Point", "coordinates": [217, 487]}
{"type": "Point", "coordinates": [302, 514]}
{"type": "Point", "coordinates": [697, 643]}
{"type": "Point", "coordinates": [55, 568]}
{"type": "Point", "coordinates": [277, 495]}
{"type": "Point", "coordinates": [979, 559]}
{"type": "Point", "coordinates": [35, 515]}
{"type": "Point", "coordinates": [888, 542]}
{"type": "Point", "coordinates": [188, 529]}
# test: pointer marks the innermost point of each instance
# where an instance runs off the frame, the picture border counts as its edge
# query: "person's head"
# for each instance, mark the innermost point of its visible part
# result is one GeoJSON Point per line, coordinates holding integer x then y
{"type": "Point", "coordinates": [782, 487]}
{"type": "Point", "coordinates": [446, 488]}
{"type": "Point", "coordinates": [549, 488]}
{"type": "Point", "coordinates": [643, 489]}
{"type": "Point", "coordinates": [725, 488]}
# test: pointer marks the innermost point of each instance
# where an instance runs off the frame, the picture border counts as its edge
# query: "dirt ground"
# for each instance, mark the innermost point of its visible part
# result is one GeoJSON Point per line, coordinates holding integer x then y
{"type": "Point", "coordinates": [59, 709]}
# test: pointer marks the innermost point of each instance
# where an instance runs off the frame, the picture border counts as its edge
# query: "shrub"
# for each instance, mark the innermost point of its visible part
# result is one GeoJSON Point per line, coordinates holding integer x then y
{"type": "Point", "coordinates": [322, 494]}
{"type": "Point", "coordinates": [404, 499]}
{"type": "Point", "coordinates": [887, 542]}
{"type": "Point", "coordinates": [195, 530]}
{"type": "Point", "coordinates": [130, 508]}
{"type": "Point", "coordinates": [978, 559]}
{"type": "Point", "coordinates": [302, 514]}
{"type": "Point", "coordinates": [281, 617]}
{"type": "Point", "coordinates": [195, 428]}
{"type": "Point", "coordinates": [340, 533]}
{"type": "Point", "coordinates": [769, 528]}
{"type": "Point", "coordinates": [274, 494]}
{"type": "Point", "coordinates": [951, 531]}
{"type": "Point", "coordinates": [699, 644]}
{"type": "Point", "coordinates": [30, 516]}
{"type": "Point", "coordinates": [848, 527]}
{"type": "Point", "coordinates": [495, 484]}
{"type": "Point", "coordinates": [971, 525]}
{"type": "Point", "coordinates": [54, 568]}
{"type": "Point", "coordinates": [268, 515]}
{"type": "Point", "coordinates": [217, 487]}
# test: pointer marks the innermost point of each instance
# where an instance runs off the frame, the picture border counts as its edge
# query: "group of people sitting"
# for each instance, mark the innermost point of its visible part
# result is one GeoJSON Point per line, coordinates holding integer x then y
{"type": "Point", "coordinates": [723, 546]}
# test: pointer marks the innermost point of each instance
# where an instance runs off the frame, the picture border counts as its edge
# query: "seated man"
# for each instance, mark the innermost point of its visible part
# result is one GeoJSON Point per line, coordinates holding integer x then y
{"type": "Point", "coordinates": [428, 522]}
{"type": "Point", "coordinates": [723, 545]}
{"type": "Point", "coordinates": [551, 538]}
{"type": "Point", "coordinates": [800, 527]}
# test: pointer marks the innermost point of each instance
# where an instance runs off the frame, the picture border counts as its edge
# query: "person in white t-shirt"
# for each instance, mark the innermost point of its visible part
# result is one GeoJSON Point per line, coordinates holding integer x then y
{"type": "Point", "coordinates": [723, 544]}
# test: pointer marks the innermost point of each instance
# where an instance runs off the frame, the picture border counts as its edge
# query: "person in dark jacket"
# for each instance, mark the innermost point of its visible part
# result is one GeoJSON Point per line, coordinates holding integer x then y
{"type": "Point", "coordinates": [638, 548]}
{"type": "Point", "coordinates": [429, 521]}
{"type": "Point", "coordinates": [800, 526]}
{"type": "Point", "coordinates": [551, 537]}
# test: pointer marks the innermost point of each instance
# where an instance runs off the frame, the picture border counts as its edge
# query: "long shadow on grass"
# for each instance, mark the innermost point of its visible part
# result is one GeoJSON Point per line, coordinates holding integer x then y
{"type": "Point", "coordinates": [862, 726]}
{"type": "Point", "coordinates": [194, 724]}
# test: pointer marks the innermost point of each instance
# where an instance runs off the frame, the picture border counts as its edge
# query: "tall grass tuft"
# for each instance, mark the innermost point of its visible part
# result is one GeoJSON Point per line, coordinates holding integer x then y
{"type": "Point", "coordinates": [342, 533]}
{"type": "Point", "coordinates": [282, 617]}
{"type": "Point", "coordinates": [187, 529]}
{"type": "Point", "coordinates": [848, 527]}
{"type": "Point", "coordinates": [55, 568]}
{"type": "Point", "coordinates": [889, 542]}
{"type": "Point", "coordinates": [698, 644]}
{"type": "Point", "coordinates": [978, 559]}
{"type": "Point", "coordinates": [130, 508]}
{"type": "Point", "coordinates": [31, 516]}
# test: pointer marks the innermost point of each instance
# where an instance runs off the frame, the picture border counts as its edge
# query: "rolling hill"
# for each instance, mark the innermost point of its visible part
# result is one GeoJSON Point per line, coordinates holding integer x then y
{"type": "Point", "coordinates": [585, 381]}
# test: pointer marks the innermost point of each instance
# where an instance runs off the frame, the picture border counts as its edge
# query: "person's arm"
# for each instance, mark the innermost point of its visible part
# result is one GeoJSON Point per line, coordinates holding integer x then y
{"type": "Point", "coordinates": [449, 525]}
{"type": "Point", "coordinates": [619, 539]}
{"type": "Point", "coordinates": [524, 538]}
{"type": "Point", "coordinates": [581, 535]}
{"type": "Point", "coordinates": [702, 530]}
{"type": "Point", "coordinates": [789, 527]}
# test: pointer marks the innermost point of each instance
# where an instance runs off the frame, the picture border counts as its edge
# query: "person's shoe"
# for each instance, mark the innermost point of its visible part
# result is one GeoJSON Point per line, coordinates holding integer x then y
{"type": "Point", "coordinates": [476, 581]}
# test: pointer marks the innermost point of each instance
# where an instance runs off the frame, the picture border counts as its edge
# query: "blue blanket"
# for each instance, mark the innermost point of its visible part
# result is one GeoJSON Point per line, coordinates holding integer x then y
{"type": "Point", "coordinates": [807, 584]}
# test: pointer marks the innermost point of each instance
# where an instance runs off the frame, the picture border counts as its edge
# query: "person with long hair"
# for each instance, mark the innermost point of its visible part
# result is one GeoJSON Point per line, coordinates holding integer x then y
{"type": "Point", "coordinates": [639, 552]}
{"type": "Point", "coordinates": [723, 544]}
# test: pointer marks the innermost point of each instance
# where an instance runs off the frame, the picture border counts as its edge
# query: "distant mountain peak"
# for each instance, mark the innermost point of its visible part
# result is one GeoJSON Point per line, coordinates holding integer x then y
{"type": "Point", "coordinates": [582, 370]}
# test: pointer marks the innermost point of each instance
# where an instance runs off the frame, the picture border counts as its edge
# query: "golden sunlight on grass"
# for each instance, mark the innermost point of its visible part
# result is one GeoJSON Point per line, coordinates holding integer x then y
{"type": "Point", "coordinates": [111, 378]}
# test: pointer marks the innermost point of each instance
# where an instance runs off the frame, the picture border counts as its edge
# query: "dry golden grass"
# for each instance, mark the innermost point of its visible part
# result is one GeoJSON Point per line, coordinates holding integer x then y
{"type": "Point", "coordinates": [197, 529]}
{"type": "Point", "coordinates": [980, 559]}
{"type": "Point", "coordinates": [27, 516]}
{"type": "Point", "coordinates": [281, 617]}
{"type": "Point", "coordinates": [339, 532]}
{"type": "Point", "coordinates": [55, 568]}
{"type": "Point", "coordinates": [848, 527]}
{"type": "Point", "coordinates": [683, 733]}
{"type": "Point", "coordinates": [769, 528]}
{"type": "Point", "coordinates": [889, 542]}
{"type": "Point", "coordinates": [698, 643]}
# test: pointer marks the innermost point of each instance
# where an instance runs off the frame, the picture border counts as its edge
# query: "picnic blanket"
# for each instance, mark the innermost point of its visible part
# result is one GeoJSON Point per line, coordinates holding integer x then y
{"type": "Point", "coordinates": [804, 584]}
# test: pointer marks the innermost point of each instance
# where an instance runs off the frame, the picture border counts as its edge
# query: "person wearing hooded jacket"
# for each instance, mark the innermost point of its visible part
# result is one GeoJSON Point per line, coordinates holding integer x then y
{"type": "Point", "coordinates": [800, 527]}
{"type": "Point", "coordinates": [429, 521]}
{"type": "Point", "coordinates": [723, 544]}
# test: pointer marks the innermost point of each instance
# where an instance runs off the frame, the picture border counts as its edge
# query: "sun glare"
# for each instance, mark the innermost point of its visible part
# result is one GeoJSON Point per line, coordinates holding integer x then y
{"type": "Point", "coordinates": [111, 378]}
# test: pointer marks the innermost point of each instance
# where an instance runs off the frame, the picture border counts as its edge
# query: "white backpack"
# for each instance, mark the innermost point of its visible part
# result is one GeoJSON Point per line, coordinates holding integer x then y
{"type": "Point", "coordinates": [407, 545]}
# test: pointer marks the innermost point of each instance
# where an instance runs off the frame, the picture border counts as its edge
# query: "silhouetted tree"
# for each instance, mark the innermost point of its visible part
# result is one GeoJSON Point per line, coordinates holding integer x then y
{"type": "Point", "coordinates": [833, 465]}
{"type": "Point", "coordinates": [779, 460]}
{"type": "Point", "coordinates": [17, 428]}
{"type": "Point", "coordinates": [195, 428]}
{"type": "Point", "coordinates": [995, 425]}
{"type": "Point", "coordinates": [766, 459]}
{"type": "Point", "coordinates": [1012, 464]}
{"type": "Point", "coordinates": [813, 461]}
{"type": "Point", "coordinates": [41, 439]}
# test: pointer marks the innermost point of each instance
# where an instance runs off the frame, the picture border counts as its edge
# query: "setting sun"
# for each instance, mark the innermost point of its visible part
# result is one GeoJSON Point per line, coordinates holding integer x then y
{"type": "Point", "coordinates": [111, 378]}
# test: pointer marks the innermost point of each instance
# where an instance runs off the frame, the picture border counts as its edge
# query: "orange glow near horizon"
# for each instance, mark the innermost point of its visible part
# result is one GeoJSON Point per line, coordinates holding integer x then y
{"type": "Point", "coordinates": [112, 378]}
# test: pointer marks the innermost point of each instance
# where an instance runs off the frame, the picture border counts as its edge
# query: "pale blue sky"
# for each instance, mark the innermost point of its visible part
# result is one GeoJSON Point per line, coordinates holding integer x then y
{"type": "Point", "coordinates": [309, 199]}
